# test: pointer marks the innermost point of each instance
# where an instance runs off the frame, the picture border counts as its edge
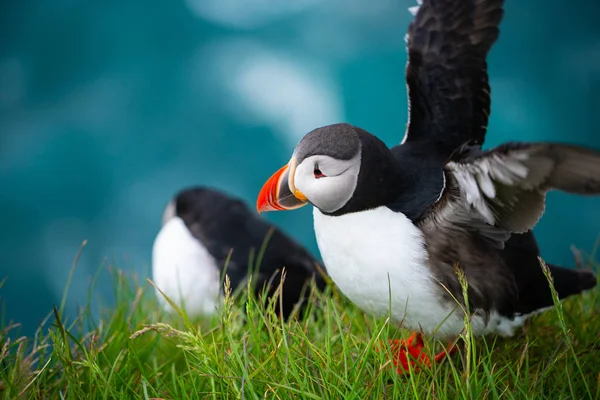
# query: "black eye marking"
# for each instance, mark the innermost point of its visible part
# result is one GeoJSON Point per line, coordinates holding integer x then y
{"type": "Point", "coordinates": [317, 172]}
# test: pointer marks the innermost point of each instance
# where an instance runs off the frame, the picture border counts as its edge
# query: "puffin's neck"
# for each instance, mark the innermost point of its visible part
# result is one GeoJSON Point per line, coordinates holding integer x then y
{"type": "Point", "coordinates": [405, 179]}
{"type": "Point", "coordinates": [421, 180]}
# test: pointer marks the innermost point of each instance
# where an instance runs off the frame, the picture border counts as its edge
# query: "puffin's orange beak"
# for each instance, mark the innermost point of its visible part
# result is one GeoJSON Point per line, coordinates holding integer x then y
{"type": "Point", "coordinates": [279, 192]}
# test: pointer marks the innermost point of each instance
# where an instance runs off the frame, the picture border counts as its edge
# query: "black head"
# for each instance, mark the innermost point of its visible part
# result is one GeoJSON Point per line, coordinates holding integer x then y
{"type": "Point", "coordinates": [338, 141]}
{"type": "Point", "coordinates": [199, 203]}
{"type": "Point", "coordinates": [337, 168]}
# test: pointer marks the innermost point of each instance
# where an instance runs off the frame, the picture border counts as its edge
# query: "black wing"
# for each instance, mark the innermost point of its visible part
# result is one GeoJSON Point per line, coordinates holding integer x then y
{"type": "Point", "coordinates": [446, 74]}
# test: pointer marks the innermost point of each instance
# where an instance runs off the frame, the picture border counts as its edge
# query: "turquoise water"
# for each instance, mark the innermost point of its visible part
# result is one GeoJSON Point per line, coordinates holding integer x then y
{"type": "Point", "coordinates": [107, 109]}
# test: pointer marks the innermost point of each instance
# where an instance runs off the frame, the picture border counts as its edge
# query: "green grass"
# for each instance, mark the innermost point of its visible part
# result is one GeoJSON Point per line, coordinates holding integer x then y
{"type": "Point", "coordinates": [135, 351]}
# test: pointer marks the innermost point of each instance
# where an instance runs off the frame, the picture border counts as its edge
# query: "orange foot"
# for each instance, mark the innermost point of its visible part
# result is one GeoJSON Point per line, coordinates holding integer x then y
{"type": "Point", "coordinates": [410, 351]}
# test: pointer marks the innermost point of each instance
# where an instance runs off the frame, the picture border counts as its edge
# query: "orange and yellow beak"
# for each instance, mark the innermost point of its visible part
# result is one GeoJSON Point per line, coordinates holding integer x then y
{"type": "Point", "coordinates": [279, 192]}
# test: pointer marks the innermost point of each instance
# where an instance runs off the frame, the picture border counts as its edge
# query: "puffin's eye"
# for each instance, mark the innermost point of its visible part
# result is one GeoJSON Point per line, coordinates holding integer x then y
{"type": "Point", "coordinates": [317, 172]}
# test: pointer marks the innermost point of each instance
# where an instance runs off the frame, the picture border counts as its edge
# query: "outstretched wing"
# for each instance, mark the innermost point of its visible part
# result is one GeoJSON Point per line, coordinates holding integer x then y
{"type": "Point", "coordinates": [446, 74]}
{"type": "Point", "coordinates": [505, 188]}
{"type": "Point", "coordinates": [489, 197]}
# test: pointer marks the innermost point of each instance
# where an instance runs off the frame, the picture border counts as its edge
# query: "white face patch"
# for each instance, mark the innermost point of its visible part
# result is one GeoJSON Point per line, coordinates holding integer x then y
{"type": "Point", "coordinates": [334, 189]}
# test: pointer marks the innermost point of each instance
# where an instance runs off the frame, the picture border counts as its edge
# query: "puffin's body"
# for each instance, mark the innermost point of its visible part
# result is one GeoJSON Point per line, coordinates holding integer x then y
{"type": "Point", "coordinates": [365, 266]}
{"type": "Point", "coordinates": [206, 233]}
{"type": "Point", "coordinates": [392, 225]}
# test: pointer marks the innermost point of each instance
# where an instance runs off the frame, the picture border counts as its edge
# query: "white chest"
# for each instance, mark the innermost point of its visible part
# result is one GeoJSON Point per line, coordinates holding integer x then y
{"type": "Point", "coordinates": [184, 270]}
{"type": "Point", "coordinates": [378, 258]}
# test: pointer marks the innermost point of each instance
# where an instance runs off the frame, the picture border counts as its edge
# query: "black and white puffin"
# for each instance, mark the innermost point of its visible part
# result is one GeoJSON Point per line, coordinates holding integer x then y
{"type": "Point", "coordinates": [391, 224]}
{"type": "Point", "coordinates": [205, 233]}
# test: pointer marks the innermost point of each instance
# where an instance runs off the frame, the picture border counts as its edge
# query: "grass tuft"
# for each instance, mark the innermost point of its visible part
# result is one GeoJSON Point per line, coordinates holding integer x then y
{"type": "Point", "coordinates": [136, 351]}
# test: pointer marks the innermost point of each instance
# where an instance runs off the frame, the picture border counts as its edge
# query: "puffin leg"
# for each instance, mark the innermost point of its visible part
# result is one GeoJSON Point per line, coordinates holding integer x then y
{"type": "Point", "coordinates": [409, 351]}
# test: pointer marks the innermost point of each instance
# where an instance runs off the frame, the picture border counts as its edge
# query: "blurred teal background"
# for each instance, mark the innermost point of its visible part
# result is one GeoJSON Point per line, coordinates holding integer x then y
{"type": "Point", "coordinates": [108, 108]}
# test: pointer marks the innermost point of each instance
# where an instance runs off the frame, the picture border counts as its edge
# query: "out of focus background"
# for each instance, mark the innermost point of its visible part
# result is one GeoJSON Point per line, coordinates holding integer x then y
{"type": "Point", "coordinates": [108, 108]}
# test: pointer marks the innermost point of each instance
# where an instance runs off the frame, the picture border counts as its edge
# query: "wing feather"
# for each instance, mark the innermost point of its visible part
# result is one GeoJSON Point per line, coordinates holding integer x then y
{"type": "Point", "coordinates": [506, 187]}
{"type": "Point", "coordinates": [446, 73]}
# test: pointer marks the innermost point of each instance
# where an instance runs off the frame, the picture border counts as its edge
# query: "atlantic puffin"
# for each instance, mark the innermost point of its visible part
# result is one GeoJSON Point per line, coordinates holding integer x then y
{"type": "Point", "coordinates": [205, 234]}
{"type": "Point", "coordinates": [392, 224]}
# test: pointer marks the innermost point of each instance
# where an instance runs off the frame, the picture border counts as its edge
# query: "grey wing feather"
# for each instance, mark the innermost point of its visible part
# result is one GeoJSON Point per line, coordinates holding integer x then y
{"type": "Point", "coordinates": [506, 187]}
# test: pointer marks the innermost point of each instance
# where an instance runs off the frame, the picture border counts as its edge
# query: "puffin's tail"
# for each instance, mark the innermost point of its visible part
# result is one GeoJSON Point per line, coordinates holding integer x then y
{"type": "Point", "coordinates": [569, 281]}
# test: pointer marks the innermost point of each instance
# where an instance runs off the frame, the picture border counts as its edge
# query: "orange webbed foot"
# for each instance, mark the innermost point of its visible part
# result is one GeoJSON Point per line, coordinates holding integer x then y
{"type": "Point", "coordinates": [409, 354]}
